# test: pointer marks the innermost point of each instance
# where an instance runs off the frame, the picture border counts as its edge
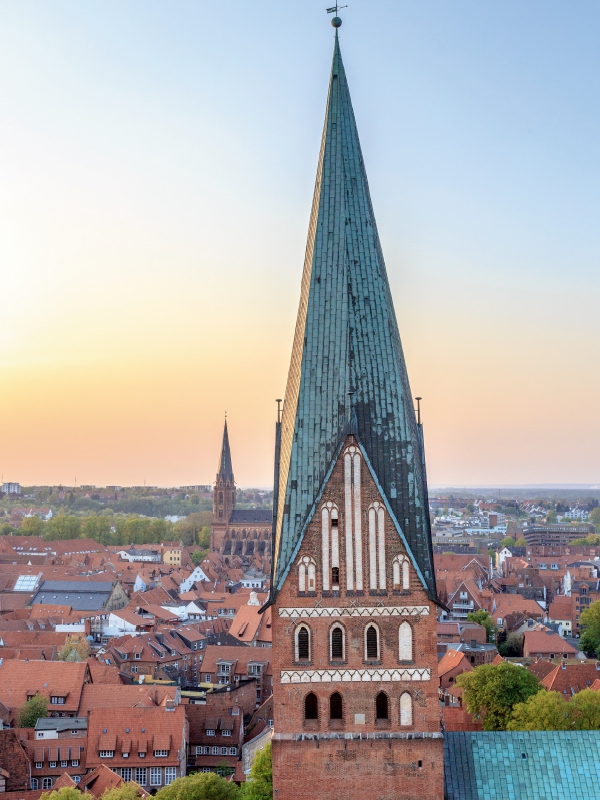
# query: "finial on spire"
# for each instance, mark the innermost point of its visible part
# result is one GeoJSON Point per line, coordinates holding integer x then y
{"type": "Point", "coordinates": [418, 399]}
{"type": "Point", "coordinates": [336, 21]}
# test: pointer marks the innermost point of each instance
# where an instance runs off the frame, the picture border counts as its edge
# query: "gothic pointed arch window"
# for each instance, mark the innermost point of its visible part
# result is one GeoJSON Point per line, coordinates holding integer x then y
{"type": "Point", "coordinates": [336, 706]}
{"type": "Point", "coordinates": [337, 642]}
{"type": "Point", "coordinates": [372, 643]}
{"type": "Point", "coordinates": [307, 575]}
{"type": "Point", "coordinates": [377, 562]}
{"type": "Point", "coordinates": [406, 711]}
{"type": "Point", "coordinates": [302, 643]}
{"type": "Point", "coordinates": [401, 573]}
{"type": "Point", "coordinates": [382, 706]}
{"type": "Point", "coordinates": [330, 547]}
{"type": "Point", "coordinates": [220, 497]}
{"type": "Point", "coordinates": [311, 706]}
{"type": "Point", "coordinates": [405, 642]}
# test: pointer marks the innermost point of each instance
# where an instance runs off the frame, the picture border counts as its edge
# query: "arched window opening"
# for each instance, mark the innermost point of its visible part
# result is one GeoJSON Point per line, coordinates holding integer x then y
{"type": "Point", "coordinates": [405, 709]}
{"type": "Point", "coordinates": [336, 708]}
{"type": "Point", "coordinates": [335, 577]}
{"type": "Point", "coordinates": [302, 578]}
{"type": "Point", "coordinates": [303, 644]}
{"type": "Point", "coordinates": [220, 497]}
{"type": "Point", "coordinates": [311, 706]}
{"type": "Point", "coordinates": [405, 642]}
{"type": "Point", "coordinates": [381, 706]}
{"type": "Point", "coordinates": [337, 643]}
{"type": "Point", "coordinates": [307, 575]}
{"type": "Point", "coordinates": [372, 643]}
{"type": "Point", "coordinates": [401, 574]}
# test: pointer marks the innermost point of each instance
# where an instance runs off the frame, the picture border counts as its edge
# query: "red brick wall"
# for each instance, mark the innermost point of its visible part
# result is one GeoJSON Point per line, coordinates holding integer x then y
{"type": "Point", "coordinates": [336, 768]}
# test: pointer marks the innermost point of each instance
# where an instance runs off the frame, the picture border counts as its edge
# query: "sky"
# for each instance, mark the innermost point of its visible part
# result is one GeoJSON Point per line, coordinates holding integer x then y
{"type": "Point", "coordinates": [158, 162]}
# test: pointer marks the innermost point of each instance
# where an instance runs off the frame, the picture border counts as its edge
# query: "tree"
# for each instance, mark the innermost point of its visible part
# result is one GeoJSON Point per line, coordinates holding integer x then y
{"type": "Point", "coordinates": [204, 537]}
{"type": "Point", "coordinates": [76, 648]}
{"type": "Point", "coordinates": [544, 711]}
{"type": "Point", "coordinates": [491, 692]}
{"type": "Point", "coordinates": [508, 541]}
{"type": "Point", "coordinates": [589, 627]}
{"type": "Point", "coordinates": [63, 526]}
{"type": "Point", "coordinates": [200, 786]}
{"type": "Point", "coordinates": [32, 710]}
{"type": "Point", "coordinates": [551, 518]}
{"type": "Point", "coordinates": [483, 618]}
{"type": "Point", "coordinates": [130, 791]}
{"type": "Point", "coordinates": [595, 516]}
{"type": "Point", "coordinates": [198, 556]}
{"type": "Point", "coordinates": [66, 793]}
{"type": "Point", "coordinates": [585, 710]}
{"type": "Point", "coordinates": [33, 526]}
{"type": "Point", "coordinates": [260, 784]}
{"type": "Point", "coordinates": [512, 647]}
{"type": "Point", "coordinates": [521, 542]}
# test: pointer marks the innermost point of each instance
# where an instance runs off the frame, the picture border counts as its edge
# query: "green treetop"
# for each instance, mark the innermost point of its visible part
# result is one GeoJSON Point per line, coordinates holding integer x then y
{"type": "Point", "coordinates": [200, 786]}
{"type": "Point", "coordinates": [260, 784]}
{"type": "Point", "coordinates": [492, 690]}
{"type": "Point", "coordinates": [589, 626]}
{"type": "Point", "coordinates": [483, 618]}
{"type": "Point", "coordinates": [32, 710]}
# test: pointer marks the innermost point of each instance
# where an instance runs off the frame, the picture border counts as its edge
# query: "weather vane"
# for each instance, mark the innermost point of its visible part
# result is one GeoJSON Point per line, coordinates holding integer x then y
{"type": "Point", "coordinates": [336, 21]}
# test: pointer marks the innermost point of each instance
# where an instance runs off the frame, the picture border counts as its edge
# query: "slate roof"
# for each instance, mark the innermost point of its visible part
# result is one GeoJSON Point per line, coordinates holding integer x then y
{"type": "Point", "coordinates": [79, 595]}
{"type": "Point", "coordinates": [489, 765]}
{"type": "Point", "coordinates": [251, 515]}
{"type": "Point", "coordinates": [347, 339]}
{"type": "Point", "coordinates": [225, 472]}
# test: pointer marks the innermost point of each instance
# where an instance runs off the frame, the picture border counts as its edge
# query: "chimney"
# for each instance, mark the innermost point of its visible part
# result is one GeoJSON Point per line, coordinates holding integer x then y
{"type": "Point", "coordinates": [563, 665]}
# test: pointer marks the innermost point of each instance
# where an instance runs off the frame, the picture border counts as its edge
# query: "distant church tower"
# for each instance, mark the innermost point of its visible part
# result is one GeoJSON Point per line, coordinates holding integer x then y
{"type": "Point", "coordinates": [353, 586]}
{"type": "Point", "coordinates": [241, 536]}
{"type": "Point", "coordinates": [223, 494]}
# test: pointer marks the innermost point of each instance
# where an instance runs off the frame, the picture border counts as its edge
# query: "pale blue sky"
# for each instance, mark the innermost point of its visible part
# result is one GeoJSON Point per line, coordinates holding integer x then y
{"type": "Point", "coordinates": [157, 166]}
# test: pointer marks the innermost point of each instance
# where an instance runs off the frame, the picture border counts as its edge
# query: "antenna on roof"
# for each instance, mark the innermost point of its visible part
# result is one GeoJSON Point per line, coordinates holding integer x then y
{"type": "Point", "coordinates": [278, 401]}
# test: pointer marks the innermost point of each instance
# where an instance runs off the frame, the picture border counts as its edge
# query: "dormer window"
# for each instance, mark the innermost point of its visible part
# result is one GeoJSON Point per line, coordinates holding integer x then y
{"type": "Point", "coordinates": [57, 701]}
{"type": "Point", "coordinates": [137, 656]}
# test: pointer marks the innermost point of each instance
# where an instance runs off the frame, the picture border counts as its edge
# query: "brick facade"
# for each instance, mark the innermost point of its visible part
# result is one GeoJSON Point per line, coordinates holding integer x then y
{"type": "Point", "coordinates": [365, 749]}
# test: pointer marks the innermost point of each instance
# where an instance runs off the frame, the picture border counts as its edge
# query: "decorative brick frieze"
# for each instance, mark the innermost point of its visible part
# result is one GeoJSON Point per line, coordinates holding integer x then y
{"type": "Point", "coordinates": [353, 675]}
{"type": "Point", "coordinates": [354, 611]}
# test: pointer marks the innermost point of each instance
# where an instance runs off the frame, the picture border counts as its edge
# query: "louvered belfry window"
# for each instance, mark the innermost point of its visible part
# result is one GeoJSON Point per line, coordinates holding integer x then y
{"type": "Point", "coordinates": [372, 648]}
{"type": "Point", "coordinates": [337, 644]}
{"type": "Point", "coordinates": [303, 645]}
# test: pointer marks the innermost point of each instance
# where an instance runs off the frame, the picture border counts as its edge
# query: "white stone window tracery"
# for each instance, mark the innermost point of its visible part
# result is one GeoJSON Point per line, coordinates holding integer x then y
{"type": "Point", "coordinates": [330, 546]}
{"type": "Point", "coordinates": [405, 642]}
{"type": "Point", "coordinates": [307, 575]}
{"type": "Point", "coordinates": [352, 519]}
{"type": "Point", "coordinates": [406, 713]}
{"type": "Point", "coordinates": [401, 573]}
{"type": "Point", "coordinates": [377, 564]}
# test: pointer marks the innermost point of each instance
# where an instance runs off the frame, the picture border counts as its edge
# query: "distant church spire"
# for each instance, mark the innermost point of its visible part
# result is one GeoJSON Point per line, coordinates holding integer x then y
{"type": "Point", "coordinates": [225, 471]}
{"type": "Point", "coordinates": [347, 371]}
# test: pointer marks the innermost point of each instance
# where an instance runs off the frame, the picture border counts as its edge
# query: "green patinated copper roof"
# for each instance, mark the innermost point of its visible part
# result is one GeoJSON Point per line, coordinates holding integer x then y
{"type": "Point", "coordinates": [225, 471]}
{"type": "Point", "coordinates": [347, 340]}
{"type": "Point", "coordinates": [522, 765]}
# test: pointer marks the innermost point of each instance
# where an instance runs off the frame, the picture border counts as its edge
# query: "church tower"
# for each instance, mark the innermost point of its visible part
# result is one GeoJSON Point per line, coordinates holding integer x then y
{"type": "Point", "coordinates": [223, 494]}
{"type": "Point", "coordinates": [353, 586]}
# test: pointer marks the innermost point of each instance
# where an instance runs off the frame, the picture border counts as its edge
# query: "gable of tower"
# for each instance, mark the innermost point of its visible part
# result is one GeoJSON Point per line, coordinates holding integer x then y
{"type": "Point", "coordinates": [357, 545]}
